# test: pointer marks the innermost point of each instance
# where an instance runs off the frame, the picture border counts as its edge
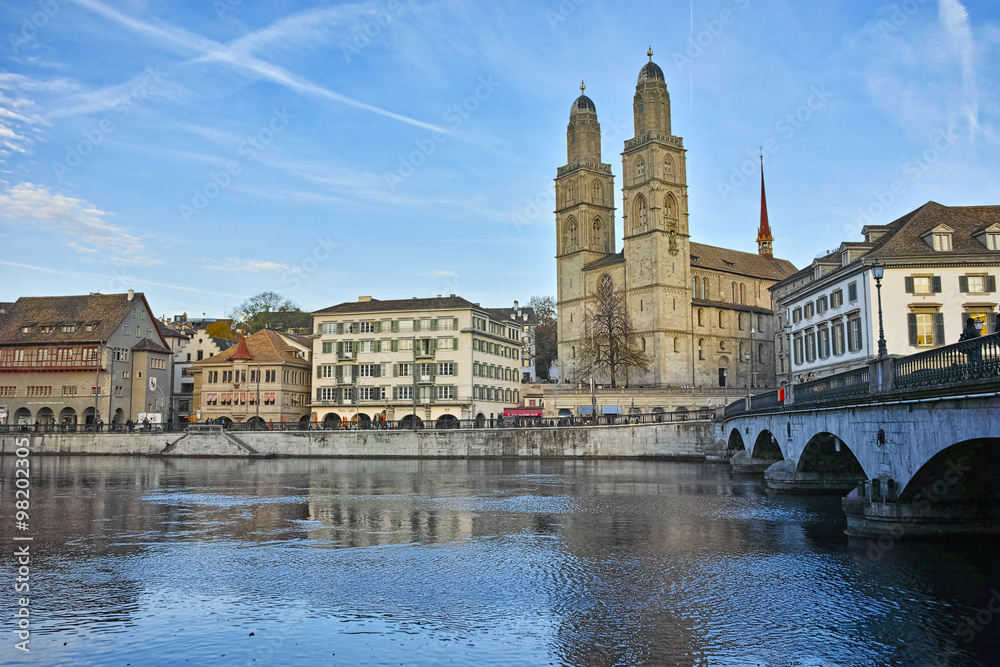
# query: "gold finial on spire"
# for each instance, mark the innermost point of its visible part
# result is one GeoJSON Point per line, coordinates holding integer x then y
{"type": "Point", "coordinates": [583, 86]}
{"type": "Point", "coordinates": [650, 53]}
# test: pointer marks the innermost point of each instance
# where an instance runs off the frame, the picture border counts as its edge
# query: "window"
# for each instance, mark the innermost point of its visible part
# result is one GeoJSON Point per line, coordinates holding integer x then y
{"type": "Point", "coordinates": [722, 321]}
{"type": "Point", "coordinates": [854, 334]}
{"type": "Point", "coordinates": [701, 353]}
{"type": "Point", "coordinates": [797, 315]}
{"type": "Point", "coordinates": [837, 298]}
{"type": "Point", "coordinates": [641, 220]}
{"type": "Point", "coordinates": [838, 338]}
{"type": "Point", "coordinates": [367, 327]}
{"type": "Point", "coordinates": [821, 305]}
{"type": "Point", "coordinates": [124, 329]}
{"type": "Point", "coordinates": [370, 370]}
{"type": "Point", "coordinates": [810, 346]}
{"type": "Point", "coordinates": [823, 341]}
{"type": "Point", "coordinates": [926, 328]}
{"type": "Point", "coordinates": [446, 368]}
{"type": "Point", "coordinates": [270, 376]}
{"type": "Point", "coordinates": [324, 371]}
{"type": "Point", "coordinates": [68, 328]}
{"type": "Point", "coordinates": [700, 311]}
{"type": "Point", "coordinates": [809, 310]}
{"type": "Point", "coordinates": [981, 284]}
{"type": "Point", "coordinates": [941, 242]}
{"type": "Point", "coordinates": [405, 392]}
{"type": "Point", "coordinates": [446, 393]}
{"type": "Point", "coordinates": [923, 284]}
{"type": "Point", "coordinates": [741, 293]}
{"type": "Point", "coordinates": [640, 169]}
{"type": "Point", "coordinates": [327, 347]}
{"type": "Point", "coordinates": [158, 363]}
{"type": "Point", "coordinates": [201, 355]}
{"type": "Point", "coordinates": [69, 391]}
{"type": "Point", "coordinates": [992, 241]}
{"type": "Point", "coordinates": [446, 324]}
{"type": "Point", "coordinates": [852, 292]}
{"type": "Point", "coordinates": [371, 393]}
{"type": "Point", "coordinates": [406, 326]}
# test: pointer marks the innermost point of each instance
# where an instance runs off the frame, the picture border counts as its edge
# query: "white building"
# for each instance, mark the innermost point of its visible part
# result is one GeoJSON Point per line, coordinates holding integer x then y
{"type": "Point", "coordinates": [940, 267]}
{"type": "Point", "coordinates": [438, 358]}
{"type": "Point", "coordinates": [193, 347]}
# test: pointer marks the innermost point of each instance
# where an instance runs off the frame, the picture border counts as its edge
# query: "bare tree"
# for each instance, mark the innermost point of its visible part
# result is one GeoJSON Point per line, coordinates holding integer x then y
{"type": "Point", "coordinates": [257, 312]}
{"type": "Point", "coordinates": [611, 348]}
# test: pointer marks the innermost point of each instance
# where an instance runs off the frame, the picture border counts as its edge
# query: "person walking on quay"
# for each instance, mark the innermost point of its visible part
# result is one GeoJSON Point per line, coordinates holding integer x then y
{"type": "Point", "coordinates": [129, 425]}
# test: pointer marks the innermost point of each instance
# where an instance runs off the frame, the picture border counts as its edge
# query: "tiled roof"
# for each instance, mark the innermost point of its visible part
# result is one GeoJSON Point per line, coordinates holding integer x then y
{"type": "Point", "coordinates": [743, 263]}
{"type": "Point", "coordinates": [609, 260]}
{"type": "Point", "coordinates": [903, 239]}
{"type": "Point", "coordinates": [148, 345]}
{"type": "Point", "coordinates": [266, 347]}
{"type": "Point", "coordinates": [725, 305]}
{"type": "Point", "coordinates": [103, 311]}
{"type": "Point", "coordinates": [377, 306]}
{"type": "Point", "coordinates": [505, 314]}
{"type": "Point", "coordinates": [304, 341]}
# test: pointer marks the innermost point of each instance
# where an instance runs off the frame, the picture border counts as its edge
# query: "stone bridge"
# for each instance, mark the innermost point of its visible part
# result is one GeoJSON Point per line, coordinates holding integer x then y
{"type": "Point", "coordinates": [916, 440]}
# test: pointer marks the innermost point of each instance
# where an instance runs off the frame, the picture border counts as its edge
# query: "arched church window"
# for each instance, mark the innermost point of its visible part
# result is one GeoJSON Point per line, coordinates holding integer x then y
{"type": "Point", "coordinates": [741, 292]}
{"type": "Point", "coordinates": [571, 192]}
{"type": "Point", "coordinates": [704, 288]}
{"type": "Point", "coordinates": [607, 288]}
{"type": "Point", "coordinates": [640, 169]}
{"type": "Point", "coordinates": [601, 238]}
{"type": "Point", "coordinates": [668, 166]}
{"type": "Point", "coordinates": [641, 219]}
{"type": "Point", "coordinates": [598, 192]}
{"type": "Point", "coordinates": [639, 100]}
{"type": "Point", "coordinates": [733, 299]}
{"type": "Point", "coordinates": [572, 235]}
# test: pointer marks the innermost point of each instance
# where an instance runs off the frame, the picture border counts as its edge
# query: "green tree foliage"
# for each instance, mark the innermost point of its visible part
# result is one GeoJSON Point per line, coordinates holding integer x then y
{"type": "Point", "coordinates": [545, 309]}
{"type": "Point", "coordinates": [263, 310]}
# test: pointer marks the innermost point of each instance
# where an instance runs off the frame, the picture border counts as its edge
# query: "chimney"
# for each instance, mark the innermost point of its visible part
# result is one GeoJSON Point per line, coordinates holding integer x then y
{"type": "Point", "coordinates": [131, 294]}
{"type": "Point", "coordinates": [364, 299]}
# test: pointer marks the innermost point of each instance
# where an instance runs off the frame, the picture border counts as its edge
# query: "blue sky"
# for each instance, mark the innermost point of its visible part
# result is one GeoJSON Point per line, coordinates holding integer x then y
{"type": "Point", "coordinates": [206, 151]}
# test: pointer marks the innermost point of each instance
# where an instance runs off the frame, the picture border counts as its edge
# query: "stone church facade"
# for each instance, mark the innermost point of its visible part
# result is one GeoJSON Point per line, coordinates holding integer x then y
{"type": "Point", "coordinates": [702, 314]}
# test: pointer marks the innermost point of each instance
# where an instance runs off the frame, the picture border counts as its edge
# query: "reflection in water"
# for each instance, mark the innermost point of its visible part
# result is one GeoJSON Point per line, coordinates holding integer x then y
{"type": "Point", "coordinates": [425, 562]}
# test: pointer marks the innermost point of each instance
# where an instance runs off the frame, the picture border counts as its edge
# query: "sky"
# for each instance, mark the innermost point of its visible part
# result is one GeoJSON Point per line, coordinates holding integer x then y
{"type": "Point", "coordinates": [205, 151]}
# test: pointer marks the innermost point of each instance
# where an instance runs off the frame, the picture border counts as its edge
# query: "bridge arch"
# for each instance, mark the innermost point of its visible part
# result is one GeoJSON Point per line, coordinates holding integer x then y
{"type": "Point", "coordinates": [966, 470]}
{"type": "Point", "coordinates": [766, 447]}
{"type": "Point", "coordinates": [735, 442]}
{"type": "Point", "coordinates": [827, 453]}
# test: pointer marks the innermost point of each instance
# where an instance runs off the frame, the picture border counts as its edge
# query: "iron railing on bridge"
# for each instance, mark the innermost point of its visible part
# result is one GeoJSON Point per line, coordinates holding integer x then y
{"type": "Point", "coordinates": [373, 425]}
{"type": "Point", "coordinates": [968, 361]}
{"type": "Point", "coordinates": [850, 384]}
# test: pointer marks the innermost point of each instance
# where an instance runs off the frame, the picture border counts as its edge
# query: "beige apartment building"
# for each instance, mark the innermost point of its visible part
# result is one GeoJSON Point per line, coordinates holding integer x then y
{"type": "Point", "coordinates": [265, 378]}
{"type": "Point", "coordinates": [436, 358]}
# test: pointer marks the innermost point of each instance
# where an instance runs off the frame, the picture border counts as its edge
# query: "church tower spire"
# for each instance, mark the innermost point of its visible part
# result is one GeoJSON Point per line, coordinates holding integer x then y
{"type": "Point", "coordinates": [764, 238]}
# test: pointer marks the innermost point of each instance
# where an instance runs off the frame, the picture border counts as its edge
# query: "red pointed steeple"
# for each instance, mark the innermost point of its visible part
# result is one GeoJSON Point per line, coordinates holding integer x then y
{"type": "Point", "coordinates": [242, 351]}
{"type": "Point", "coordinates": [764, 238]}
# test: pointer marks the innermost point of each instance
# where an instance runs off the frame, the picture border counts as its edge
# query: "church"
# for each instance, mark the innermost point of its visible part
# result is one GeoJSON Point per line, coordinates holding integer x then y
{"type": "Point", "coordinates": [702, 314]}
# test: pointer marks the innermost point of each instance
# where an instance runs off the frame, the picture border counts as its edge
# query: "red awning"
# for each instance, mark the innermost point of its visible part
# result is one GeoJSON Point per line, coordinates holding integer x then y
{"type": "Point", "coordinates": [522, 412]}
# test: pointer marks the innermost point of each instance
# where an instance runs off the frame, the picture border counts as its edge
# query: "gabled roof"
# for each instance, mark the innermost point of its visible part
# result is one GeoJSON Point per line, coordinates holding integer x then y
{"type": "Point", "coordinates": [743, 263]}
{"type": "Point", "coordinates": [103, 312]}
{"type": "Point", "coordinates": [266, 347]}
{"type": "Point", "coordinates": [451, 302]}
{"type": "Point", "coordinates": [904, 238]}
{"type": "Point", "coordinates": [608, 260]}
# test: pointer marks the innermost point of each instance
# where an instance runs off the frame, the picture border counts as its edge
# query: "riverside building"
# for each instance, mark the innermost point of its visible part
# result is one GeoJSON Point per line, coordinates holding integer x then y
{"type": "Point", "coordinates": [436, 358]}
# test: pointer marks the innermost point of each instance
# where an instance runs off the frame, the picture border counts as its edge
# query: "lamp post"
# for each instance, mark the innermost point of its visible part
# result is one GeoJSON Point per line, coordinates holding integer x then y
{"type": "Point", "coordinates": [788, 335]}
{"type": "Point", "coordinates": [878, 270]}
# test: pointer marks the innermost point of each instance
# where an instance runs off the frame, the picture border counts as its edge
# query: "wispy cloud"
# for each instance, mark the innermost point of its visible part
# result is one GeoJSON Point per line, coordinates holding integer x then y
{"type": "Point", "coordinates": [81, 224]}
{"type": "Point", "coordinates": [444, 274]}
{"type": "Point", "coordinates": [234, 264]}
{"type": "Point", "coordinates": [961, 44]}
{"type": "Point", "coordinates": [19, 114]}
{"type": "Point", "coordinates": [240, 60]}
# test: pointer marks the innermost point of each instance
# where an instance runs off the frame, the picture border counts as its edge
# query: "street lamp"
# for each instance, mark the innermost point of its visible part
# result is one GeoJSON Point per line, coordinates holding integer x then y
{"type": "Point", "coordinates": [878, 270]}
{"type": "Point", "coordinates": [788, 335]}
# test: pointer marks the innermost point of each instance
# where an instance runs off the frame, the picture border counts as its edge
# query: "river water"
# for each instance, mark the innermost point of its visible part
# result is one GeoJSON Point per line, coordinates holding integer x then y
{"type": "Point", "coordinates": [139, 561]}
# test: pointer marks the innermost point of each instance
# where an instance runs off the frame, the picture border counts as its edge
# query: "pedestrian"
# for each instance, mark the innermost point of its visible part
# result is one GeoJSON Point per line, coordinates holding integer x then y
{"type": "Point", "coordinates": [130, 425]}
{"type": "Point", "coordinates": [970, 331]}
{"type": "Point", "coordinates": [100, 425]}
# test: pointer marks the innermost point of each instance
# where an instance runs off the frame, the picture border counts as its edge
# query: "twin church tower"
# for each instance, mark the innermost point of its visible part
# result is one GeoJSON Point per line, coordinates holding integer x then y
{"type": "Point", "coordinates": [692, 306]}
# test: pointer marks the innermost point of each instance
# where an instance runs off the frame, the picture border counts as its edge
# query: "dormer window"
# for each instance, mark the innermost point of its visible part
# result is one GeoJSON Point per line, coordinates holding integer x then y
{"type": "Point", "coordinates": [845, 258]}
{"type": "Point", "coordinates": [68, 328]}
{"type": "Point", "coordinates": [939, 238]}
{"type": "Point", "coordinates": [992, 240]}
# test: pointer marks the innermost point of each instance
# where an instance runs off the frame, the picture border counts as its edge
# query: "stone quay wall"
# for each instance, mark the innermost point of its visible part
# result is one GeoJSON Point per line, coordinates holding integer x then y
{"type": "Point", "coordinates": [679, 440]}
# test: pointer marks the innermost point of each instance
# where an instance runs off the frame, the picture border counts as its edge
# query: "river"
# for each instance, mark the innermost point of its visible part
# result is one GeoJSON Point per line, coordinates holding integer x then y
{"type": "Point", "coordinates": [356, 562]}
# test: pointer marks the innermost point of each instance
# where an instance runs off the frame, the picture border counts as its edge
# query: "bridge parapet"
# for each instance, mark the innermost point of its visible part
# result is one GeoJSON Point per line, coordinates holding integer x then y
{"type": "Point", "coordinates": [969, 365]}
